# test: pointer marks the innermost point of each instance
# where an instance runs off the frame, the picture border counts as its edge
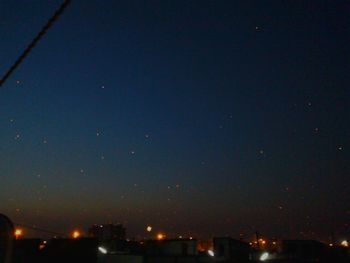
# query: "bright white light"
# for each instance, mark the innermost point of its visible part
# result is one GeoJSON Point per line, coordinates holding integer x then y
{"type": "Point", "coordinates": [211, 253]}
{"type": "Point", "coordinates": [345, 243]}
{"type": "Point", "coordinates": [264, 256]}
{"type": "Point", "coordinates": [102, 250]}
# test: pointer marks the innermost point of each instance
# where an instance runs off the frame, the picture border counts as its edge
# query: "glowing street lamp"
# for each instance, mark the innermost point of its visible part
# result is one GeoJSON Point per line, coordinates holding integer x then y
{"type": "Point", "coordinates": [76, 234]}
{"type": "Point", "coordinates": [18, 233]}
{"type": "Point", "coordinates": [149, 228]}
{"type": "Point", "coordinates": [262, 241]}
{"type": "Point", "coordinates": [160, 236]}
{"type": "Point", "coordinates": [344, 243]}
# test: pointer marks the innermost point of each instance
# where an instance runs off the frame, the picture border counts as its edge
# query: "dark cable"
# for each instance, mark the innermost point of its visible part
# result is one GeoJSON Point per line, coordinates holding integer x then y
{"type": "Point", "coordinates": [42, 230]}
{"type": "Point", "coordinates": [35, 41]}
{"type": "Point", "coordinates": [20, 59]}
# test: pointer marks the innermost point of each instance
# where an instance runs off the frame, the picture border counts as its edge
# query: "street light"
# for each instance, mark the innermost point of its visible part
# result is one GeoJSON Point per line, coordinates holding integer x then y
{"type": "Point", "coordinates": [160, 236]}
{"type": "Point", "coordinates": [76, 234]}
{"type": "Point", "coordinates": [344, 243]}
{"type": "Point", "coordinates": [18, 233]}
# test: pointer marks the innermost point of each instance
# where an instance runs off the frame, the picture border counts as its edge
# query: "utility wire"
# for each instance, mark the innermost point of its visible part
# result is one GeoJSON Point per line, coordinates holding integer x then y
{"type": "Point", "coordinates": [35, 41]}
{"type": "Point", "coordinates": [19, 60]}
{"type": "Point", "coordinates": [42, 230]}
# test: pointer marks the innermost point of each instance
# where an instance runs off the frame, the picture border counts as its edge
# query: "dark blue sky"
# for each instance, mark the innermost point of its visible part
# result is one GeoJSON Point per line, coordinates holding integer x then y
{"type": "Point", "coordinates": [197, 117]}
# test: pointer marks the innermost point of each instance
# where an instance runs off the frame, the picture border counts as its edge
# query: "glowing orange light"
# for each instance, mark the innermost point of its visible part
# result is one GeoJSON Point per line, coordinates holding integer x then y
{"type": "Point", "coordinates": [41, 246]}
{"type": "Point", "coordinates": [18, 233]}
{"type": "Point", "coordinates": [160, 236]}
{"type": "Point", "coordinates": [76, 234]}
{"type": "Point", "coordinates": [262, 241]}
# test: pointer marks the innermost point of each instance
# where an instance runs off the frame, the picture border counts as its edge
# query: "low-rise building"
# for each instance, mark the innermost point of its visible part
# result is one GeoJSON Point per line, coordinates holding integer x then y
{"type": "Point", "coordinates": [171, 247]}
{"type": "Point", "coordinates": [311, 250]}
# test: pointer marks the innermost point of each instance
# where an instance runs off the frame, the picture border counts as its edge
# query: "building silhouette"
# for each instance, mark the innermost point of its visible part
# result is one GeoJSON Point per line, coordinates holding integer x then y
{"type": "Point", "coordinates": [108, 232]}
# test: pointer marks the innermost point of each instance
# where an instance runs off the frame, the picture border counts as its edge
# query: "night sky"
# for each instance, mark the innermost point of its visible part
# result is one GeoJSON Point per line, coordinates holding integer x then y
{"type": "Point", "coordinates": [201, 118]}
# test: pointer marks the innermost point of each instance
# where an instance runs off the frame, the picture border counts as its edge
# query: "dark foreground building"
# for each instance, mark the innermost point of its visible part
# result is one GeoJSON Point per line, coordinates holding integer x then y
{"type": "Point", "coordinates": [226, 250]}
{"type": "Point", "coordinates": [312, 251]}
{"type": "Point", "coordinates": [55, 251]}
